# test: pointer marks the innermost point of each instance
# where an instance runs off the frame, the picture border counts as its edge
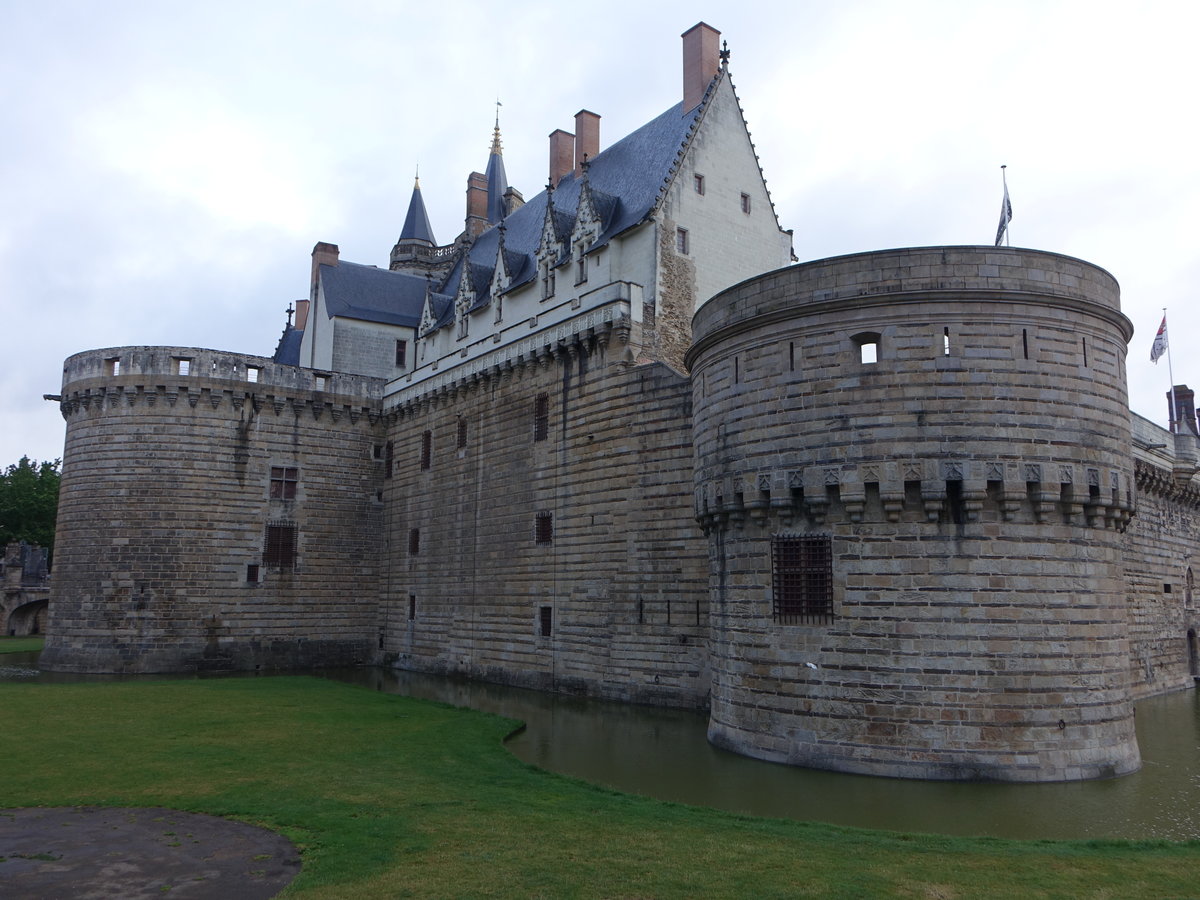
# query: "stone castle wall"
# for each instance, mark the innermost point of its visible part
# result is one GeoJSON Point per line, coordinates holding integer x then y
{"type": "Point", "coordinates": [166, 503]}
{"type": "Point", "coordinates": [973, 481]}
{"type": "Point", "coordinates": [559, 554]}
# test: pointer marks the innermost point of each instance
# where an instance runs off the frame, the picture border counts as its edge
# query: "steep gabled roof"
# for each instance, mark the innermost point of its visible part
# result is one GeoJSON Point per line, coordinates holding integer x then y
{"type": "Point", "coordinates": [372, 295]}
{"type": "Point", "coordinates": [287, 352]}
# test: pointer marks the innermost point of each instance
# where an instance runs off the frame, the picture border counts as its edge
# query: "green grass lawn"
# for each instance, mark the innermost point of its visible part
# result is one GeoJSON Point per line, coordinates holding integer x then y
{"type": "Point", "coordinates": [392, 797]}
{"type": "Point", "coordinates": [21, 644]}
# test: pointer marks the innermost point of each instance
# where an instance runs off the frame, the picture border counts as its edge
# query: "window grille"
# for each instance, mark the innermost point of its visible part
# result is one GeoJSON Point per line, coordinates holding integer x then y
{"type": "Point", "coordinates": [462, 433]}
{"type": "Point", "coordinates": [279, 545]}
{"type": "Point", "coordinates": [389, 457]}
{"type": "Point", "coordinates": [547, 620]}
{"type": "Point", "coordinates": [401, 354]}
{"type": "Point", "coordinates": [541, 417]}
{"type": "Point", "coordinates": [426, 449]}
{"type": "Point", "coordinates": [802, 579]}
{"type": "Point", "coordinates": [543, 528]}
{"type": "Point", "coordinates": [414, 541]}
{"type": "Point", "coordinates": [283, 482]}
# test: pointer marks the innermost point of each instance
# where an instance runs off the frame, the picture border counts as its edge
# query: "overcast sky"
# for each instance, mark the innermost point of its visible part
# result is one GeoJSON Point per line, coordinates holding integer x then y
{"type": "Point", "coordinates": [167, 166]}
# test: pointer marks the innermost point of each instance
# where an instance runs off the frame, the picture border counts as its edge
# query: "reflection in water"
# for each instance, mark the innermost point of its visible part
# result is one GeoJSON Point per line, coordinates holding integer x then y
{"type": "Point", "coordinates": [664, 753]}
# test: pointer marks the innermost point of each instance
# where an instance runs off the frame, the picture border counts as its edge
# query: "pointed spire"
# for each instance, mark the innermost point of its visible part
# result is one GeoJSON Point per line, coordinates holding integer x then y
{"type": "Point", "coordinates": [497, 180]}
{"type": "Point", "coordinates": [416, 223]}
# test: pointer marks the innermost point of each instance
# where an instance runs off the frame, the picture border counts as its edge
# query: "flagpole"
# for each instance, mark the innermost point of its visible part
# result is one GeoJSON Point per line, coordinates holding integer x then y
{"type": "Point", "coordinates": [1007, 228]}
{"type": "Point", "coordinates": [1171, 375]}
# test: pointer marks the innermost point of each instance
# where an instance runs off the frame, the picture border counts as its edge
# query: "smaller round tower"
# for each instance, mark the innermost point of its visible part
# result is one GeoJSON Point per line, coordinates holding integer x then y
{"type": "Point", "coordinates": [913, 468]}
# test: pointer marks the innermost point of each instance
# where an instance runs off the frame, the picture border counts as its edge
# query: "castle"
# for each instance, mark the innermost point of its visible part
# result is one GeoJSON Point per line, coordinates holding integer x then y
{"type": "Point", "coordinates": [884, 513]}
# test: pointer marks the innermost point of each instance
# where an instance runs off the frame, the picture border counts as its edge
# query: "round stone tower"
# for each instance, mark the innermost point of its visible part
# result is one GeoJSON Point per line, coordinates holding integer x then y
{"type": "Point", "coordinates": [914, 470]}
{"type": "Point", "coordinates": [217, 511]}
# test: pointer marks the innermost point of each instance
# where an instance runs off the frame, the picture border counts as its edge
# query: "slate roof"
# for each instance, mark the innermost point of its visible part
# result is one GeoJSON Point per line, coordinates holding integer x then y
{"type": "Point", "coordinates": [626, 179]}
{"type": "Point", "coordinates": [288, 351]}
{"type": "Point", "coordinates": [373, 295]}
{"type": "Point", "coordinates": [416, 223]}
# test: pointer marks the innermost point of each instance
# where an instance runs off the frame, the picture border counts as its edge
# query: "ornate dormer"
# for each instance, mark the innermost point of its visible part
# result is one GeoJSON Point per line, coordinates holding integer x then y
{"type": "Point", "coordinates": [501, 276]}
{"type": "Point", "coordinates": [552, 245]}
{"type": "Point", "coordinates": [587, 226]}
{"type": "Point", "coordinates": [464, 298]}
{"type": "Point", "coordinates": [428, 315]}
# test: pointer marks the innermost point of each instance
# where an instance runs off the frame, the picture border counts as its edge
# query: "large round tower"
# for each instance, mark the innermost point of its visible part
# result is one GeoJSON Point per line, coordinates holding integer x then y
{"type": "Point", "coordinates": [913, 467]}
{"type": "Point", "coordinates": [217, 511]}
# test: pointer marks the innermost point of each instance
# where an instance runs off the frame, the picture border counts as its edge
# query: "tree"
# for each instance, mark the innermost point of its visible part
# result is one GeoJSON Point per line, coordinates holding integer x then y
{"type": "Point", "coordinates": [29, 502]}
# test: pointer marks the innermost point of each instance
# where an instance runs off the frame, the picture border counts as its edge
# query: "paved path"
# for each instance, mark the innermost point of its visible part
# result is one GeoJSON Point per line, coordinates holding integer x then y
{"type": "Point", "coordinates": [88, 853]}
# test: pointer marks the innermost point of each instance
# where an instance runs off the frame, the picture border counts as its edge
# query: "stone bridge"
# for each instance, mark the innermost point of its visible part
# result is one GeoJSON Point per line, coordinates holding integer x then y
{"type": "Point", "coordinates": [26, 590]}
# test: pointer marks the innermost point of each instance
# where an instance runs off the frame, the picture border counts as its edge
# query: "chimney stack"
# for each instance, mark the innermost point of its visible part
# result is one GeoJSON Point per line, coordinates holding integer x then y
{"type": "Point", "coordinates": [701, 59]}
{"type": "Point", "coordinates": [477, 198]}
{"type": "Point", "coordinates": [323, 254]}
{"type": "Point", "coordinates": [587, 138]}
{"type": "Point", "coordinates": [562, 155]}
{"type": "Point", "coordinates": [1183, 410]}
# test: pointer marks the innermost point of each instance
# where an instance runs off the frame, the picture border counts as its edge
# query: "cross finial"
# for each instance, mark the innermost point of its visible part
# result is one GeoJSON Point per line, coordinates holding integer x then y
{"type": "Point", "coordinates": [289, 313]}
{"type": "Point", "coordinates": [725, 53]}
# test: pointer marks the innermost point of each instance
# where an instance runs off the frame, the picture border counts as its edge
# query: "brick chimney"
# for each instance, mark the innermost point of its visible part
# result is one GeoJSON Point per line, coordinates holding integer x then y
{"type": "Point", "coordinates": [587, 138]}
{"type": "Point", "coordinates": [562, 154]}
{"type": "Point", "coordinates": [701, 59]}
{"type": "Point", "coordinates": [477, 197]}
{"type": "Point", "coordinates": [301, 314]}
{"type": "Point", "coordinates": [1183, 413]}
{"type": "Point", "coordinates": [323, 254]}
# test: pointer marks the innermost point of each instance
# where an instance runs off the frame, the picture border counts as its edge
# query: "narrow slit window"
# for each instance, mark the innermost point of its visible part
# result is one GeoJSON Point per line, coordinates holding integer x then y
{"type": "Point", "coordinates": [414, 541]}
{"type": "Point", "coordinates": [426, 449]}
{"type": "Point", "coordinates": [746, 204]}
{"type": "Point", "coordinates": [1025, 342]}
{"type": "Point", "coordinates": [946, 341]}
{"type": "Point", "coordinates": [546, 619]}
{"type": "Point", "coordinates": [802, 579]}
{"type": "Point", "coordinates": [541, 417]}
{"type": "Point", "coordinates": [412, 607]}
{"type": "Point", "coordinates": [1084, 341]}
{"type": "Point", "coordinates": [389, 458]}
{"type": "Point", "coordinates": [461, 440]}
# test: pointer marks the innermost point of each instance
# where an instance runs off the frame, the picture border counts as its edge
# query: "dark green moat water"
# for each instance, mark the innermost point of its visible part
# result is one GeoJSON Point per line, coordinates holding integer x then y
{"type": "Point", "coordinates": [664, 753]}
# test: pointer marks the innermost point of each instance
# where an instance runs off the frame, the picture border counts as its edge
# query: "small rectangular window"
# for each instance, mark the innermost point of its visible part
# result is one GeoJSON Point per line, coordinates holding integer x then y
{"type": "Point", "coordinates": [461, 442]}
{"type": "Point", "coordinates": [252, 573]}
{"type": "Point", "coordinates": [414, 541]}
{"type": "Point", "coordinates": [183, 366]}
{"type": "Point", "coordinates": [546, 615]}
{"type": "Point", "coordinates": [802, 579]}
{"type": "Point", "coordinates": [412, 607]}
{"type": "Point", "coordinates": [541, 417]}
{"type": "Point", "coordinates": [114, 365]}
{"type": "Point", "coordinates": [283, 482]}
{"type": "Point", "coordinates": [252, 373]}
{"type": "Point", "coordinates": [698, 183]}
{"type": "Point", "coordinates": [320, 382]}
{"type": "Point", "coordinates": [279, 545]}
{"type": "Point", "coordinates": [389, 456]}
{"type": "Point", "coordinates": [543, 528]}
{"type": "Point", "coordinates": [426, 449]}
{"type": "Point", "coordinates": [548, 282]}
{"type": "Point", "coordinates": [581, 268]}
{"type": "Point", "coordinates": [401, 354]}
{"type": "Point", "coordinates": [746, 204]}
{"type": "Point", "coordinates": [946, 341]}
{"type": "Point", "coordinates": [682, 244]}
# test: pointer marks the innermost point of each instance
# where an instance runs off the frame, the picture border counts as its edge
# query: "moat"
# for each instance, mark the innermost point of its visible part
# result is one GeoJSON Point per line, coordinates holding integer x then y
{"type": "Point", "coordinates": [663, 753]}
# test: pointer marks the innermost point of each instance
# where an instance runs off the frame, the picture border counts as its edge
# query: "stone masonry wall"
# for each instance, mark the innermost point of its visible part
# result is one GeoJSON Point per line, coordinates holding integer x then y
{"type": "Point", "coordinates": [166, 498]}
{"type": "Point", "coordinates": [973, 482]}
{"type": "Point", "coordinates": [618, 570]}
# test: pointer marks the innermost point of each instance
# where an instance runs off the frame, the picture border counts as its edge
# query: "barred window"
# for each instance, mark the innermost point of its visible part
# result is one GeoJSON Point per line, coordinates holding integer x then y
{"type": "Point", "coordinates": [802, 578]}
{"type": "Point", "coordinates": [426, 449]}
{"type": "Point", "coordinates": [462, 433]}
{"type": "Point", "coordinates": [543, 528]}
{"type": "Point", "coordinates": [279, 545]}
{"type": "Point", "coordinates": [389, 459]}
{"type": "Point", "coordinates": [414, 541]}
{"type": "Point", "coordinates": [541, 417]}
{"type": "Point", "coordinates": [546, 620]}
{"type": "Point", "coordinates": [283, 482]}
{"type": "Point", "coordinates": [401, 354]}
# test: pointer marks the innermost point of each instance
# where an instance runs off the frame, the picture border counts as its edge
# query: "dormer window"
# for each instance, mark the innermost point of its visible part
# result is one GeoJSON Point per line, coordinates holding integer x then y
{"type": "Point", "coordinates": [547, 281]}
{"type": "Point", "coordinates": [581, 268]}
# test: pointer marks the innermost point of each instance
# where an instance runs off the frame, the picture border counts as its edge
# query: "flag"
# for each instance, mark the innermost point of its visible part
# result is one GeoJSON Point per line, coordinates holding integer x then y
{"type": "Point", "coordinates": [1160, 342]}
{"type": "Point", "coordinates": [1005, 217]}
